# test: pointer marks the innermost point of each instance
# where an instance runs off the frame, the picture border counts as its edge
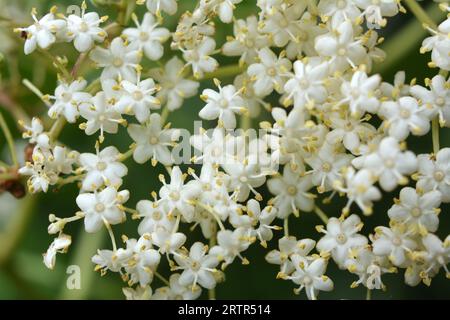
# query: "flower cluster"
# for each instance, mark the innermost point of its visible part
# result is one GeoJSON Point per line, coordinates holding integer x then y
{"type": "Point", "coordinates": [337, 130]}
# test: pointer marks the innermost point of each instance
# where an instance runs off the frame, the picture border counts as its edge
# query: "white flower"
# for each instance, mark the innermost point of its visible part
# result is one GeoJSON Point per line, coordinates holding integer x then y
{"type": "Point", "coordinates": [148, 36]}
{"type": "Point", "coordinates": [394, 243]}
{"type": "Point", "coordinates": [100, 115]}
{"type": "Point", "coordinates": [102, 168]}
{"type": "Point", "coordinates": [176, 291]}
{"type": "Point", "coordinates": [439, 44]}
{"type": "Point", "coordinates": [419, 212]}
{"type": "Point", "coordinates": [281, 25]}
{"type": "Point", "coordinates": [119, 61]}
{"type": "Point", "coordinates": [153, 141]}
{"type": "Point", "coordinates": [360, 93]}
{"type": "Point", "coordinates": [61, 245]}
{"type": "Point", "coordinates": [341, 47]}
{"type": "Point", "coordinates": [42, 33]}
{"type": "Point", "coordinates": [244, 177]}
{"type": "Point", "coordinates": [310, 276]}
{"type": "Point", "coordinates": [36, 134]}
{"type": "Point", "coordinates": [174, 86]}
{"type": "Point", "coordinates": [390, 164]}
{"type": "Point", "coordinates": [434, 173]}
{"type": "Point", "coordinates": [154, 217]}
{"type": "Point", "coordinates": [398, 89]}
{"type": "Point", "coordinates": [137, 99]}
{"type": "Point", "coordinates": [349, 130]}
{"type": "Point", "coordinates": [198, 267]}
{"type": "Point", "coordinates": [67, 99]}
{"type": "Point", "coordinates": [230, 245]}
{"type": "Point", "coordinates": [368, 267]}
{"type": "Point", "coordinates": [404, 116]}
{"type": "Point", "coordinates": [178, 196]}
{"type": "Point", "coordinates": [360, 189]}
{"type": "Point", "coordinates": [156, 6]}
{"type": "Point", "coordinates": [306, 87]}
{"type": "Point", "coordinates": [199, 57]}
{"type": "Point", "coordinates": [40, 178]}
{"type": "Point", "coordinates": [340, 237]}
{"type": "Point", "coordinates": [436, 100]}
{"type": "Point", "coordinates": [339, 10]}
{"type": "Point", "coordinates": [143, 260]}
{"type": "Point", "coordinates": [287, 247]}
{"type": "Point", "coordinates": [246, 42]}
{"type": "Point", "coordinates": [102, 207]}
{"type": "Point", "coordinates": [437, 253]}
{"type": "Point", "coordinates": [374, 11]}
{"type": "Point", "coordinates": [326, 167]}
{"type": "Point", "coordinates": [139, 293]}
{"type": "Point", "coordinates": [291, 192]}
{"type": "Point", "coordinates": [167, 241]}
{"type": "Point", "coordinates": [85, 30]}
{"type": "Point", "coordinates": [62, 160]}
{"type": "Point", "coordinates": [223, 105]}
{"type": "Point", "coordinates": [268, 74]}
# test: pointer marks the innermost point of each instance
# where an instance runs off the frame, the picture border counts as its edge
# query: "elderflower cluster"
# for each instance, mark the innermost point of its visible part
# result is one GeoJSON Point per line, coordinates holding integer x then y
{"type": "Point", "coordinates": [335, 129]}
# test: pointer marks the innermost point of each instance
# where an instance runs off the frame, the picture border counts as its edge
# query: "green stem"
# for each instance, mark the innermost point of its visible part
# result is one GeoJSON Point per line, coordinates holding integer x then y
{"type": "Point", "coordinates": [223, 72]}
{"type": "Point", "coordinates": [8, 176]}
{"type": "Point", "coordinates": [286, 227]}
{"type": "Point", "coordinates": [57, 127]}
{"type": "Point", "coordinates": [420, 14]}
{"type": "Point", "coordinates": [9, 140]}
{"type": "Point", "coordinates": [212, 243]}
{"type": "Point", "coordinates": [162, 278]}
{"type": "Point", "coordinates": [435, 134]}
{"type": "Point", "coordinates": [369, 294]}
{"type": "Point", "coordinates": [321, 214]}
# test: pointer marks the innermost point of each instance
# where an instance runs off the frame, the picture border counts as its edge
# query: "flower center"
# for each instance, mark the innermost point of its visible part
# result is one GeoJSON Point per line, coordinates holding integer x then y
{"type": "Point", "coordinates": [397, 241]}
{"type": "Point", "coordinates": [307, 280]}
{"type": "Point", "coordinates": [66, 96]}
{"type": "Point", "coordinates": [99, 207]}
{"type": "Point", "coordinates": [117, 62]}
{"type": "Point", "coordinates": [101, 166]}
{"type": "Point", "coordinates": [84, 27]}
{"type": "Point", "coordinates": [223, 103]}
{"type": "Point", "coordinates": [292, 190]}
{"type": "Point", "coordinates": [326, 167]}
{"type": "Point", "coordinates": [216, 152]}
{"type": "Point", "coordinates": [154, 140]}
{"type": "Point", "coordinates": [342, 52]}
{"type": "Point", "coordinates": [341, 238]}
{"type": "Point", "coordinates": [143, 36]}
{"type": "Point", "coordinates": [272, 72]}
{"type": "Point", "coordinates": [440, 101]}
{"type": "Point", "coordinates": [138, 95]}
{"type": "Point", "coordinates": [195, 266]}
{"type": "Point", "coordinates": [439, 176]}
{"type": "Point", "coordinates": [243, 179]}
{"type": "Point", "coordinates": [416, 212]}
{"type": "Point", "coordinates": [284, 23]}
{"type": "Point", "coordinates": [389, 163]}
{"type": "Point", "coordinates": [156, 215]}
{"type": "Point", "coordinates": [405, 113]}
{"type": "Point", "coordinates": [304, 84]}
{"type": "Point", "coordinates": [175, 195]}
{"type": "Point", "coordinates": [250, 43]}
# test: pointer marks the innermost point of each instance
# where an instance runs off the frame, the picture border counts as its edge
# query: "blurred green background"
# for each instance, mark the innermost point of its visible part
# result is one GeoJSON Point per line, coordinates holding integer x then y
{"type": "Point", "coordinates": [23, 224]}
